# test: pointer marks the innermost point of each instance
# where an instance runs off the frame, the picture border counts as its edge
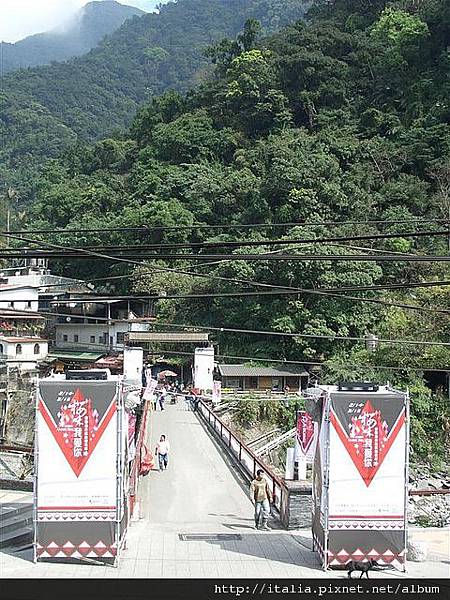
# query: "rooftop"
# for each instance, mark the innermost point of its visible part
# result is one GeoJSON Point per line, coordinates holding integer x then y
{"type": "Point", "coordinates": [11, 313]}
{"type": "Point", "coordinates": [276, 371]}
{"type": "Point", "coordinates": [21, 340]}
{"type": "Point", "coordinates": [62, 354]}
{"type": "Point", "coordinates": [150, 336]}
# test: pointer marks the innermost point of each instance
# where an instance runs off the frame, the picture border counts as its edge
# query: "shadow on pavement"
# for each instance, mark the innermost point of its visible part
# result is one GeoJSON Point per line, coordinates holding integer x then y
{"type": "Point", "coordinates": [270, 546]}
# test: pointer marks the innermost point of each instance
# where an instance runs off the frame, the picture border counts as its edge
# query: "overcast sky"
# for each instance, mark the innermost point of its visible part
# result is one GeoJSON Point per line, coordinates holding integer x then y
{"type": "Point", "coordinates": [19, 18]}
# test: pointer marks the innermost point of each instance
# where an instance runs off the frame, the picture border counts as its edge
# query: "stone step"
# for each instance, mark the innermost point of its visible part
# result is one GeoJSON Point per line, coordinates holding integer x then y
{"type": "Point", "coordinates": [16, 538]}
{"type": "Point", "coordinates": [16, 522]}
{"type": "Point", "coordinates": [13, 509]}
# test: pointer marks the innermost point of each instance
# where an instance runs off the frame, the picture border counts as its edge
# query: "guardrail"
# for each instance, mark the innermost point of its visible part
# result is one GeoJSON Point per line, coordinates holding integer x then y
{"type": "Point", "coordinates": [247, 459]}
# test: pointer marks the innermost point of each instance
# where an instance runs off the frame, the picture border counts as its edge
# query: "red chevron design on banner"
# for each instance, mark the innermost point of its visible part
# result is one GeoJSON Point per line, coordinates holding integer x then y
{"type": "Point", "coordinates": [305, 431]}
{"type": "Point", "coordinates": [78, 429]}
{"type": "Point", "coordinates": [369, 440]}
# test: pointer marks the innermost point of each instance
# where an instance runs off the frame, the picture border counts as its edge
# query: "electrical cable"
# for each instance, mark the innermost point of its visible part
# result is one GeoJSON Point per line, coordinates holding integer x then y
{"type": "Point", "coordinates": [148, 228]}
{"type": "Point", "coordinates": [282, 361]}
{"type": "Point", "coordinates": [80, 254]}
{"type": "Point", "coordinates": [259, 359]}
{"type": "Point", "coordinates": [232, 280]}
{"type": "Point", "coordinates": [303, 335]}
{"type": "Point", "coordinates": [271, 242]}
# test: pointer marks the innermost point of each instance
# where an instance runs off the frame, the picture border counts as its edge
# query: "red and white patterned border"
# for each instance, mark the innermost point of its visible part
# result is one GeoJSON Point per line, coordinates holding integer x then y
{"type": "Point", "coordinates": [396, 559]}
{"type": "Point", "coordinates": [69, 550]}
{"type": "Point", "coordinates": [65, 517]}
{"type": "Point", "coordinates": [366, 524]}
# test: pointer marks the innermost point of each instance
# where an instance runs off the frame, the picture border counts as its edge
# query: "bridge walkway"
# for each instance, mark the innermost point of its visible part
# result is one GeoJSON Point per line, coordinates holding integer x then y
{"type": "Point", "coordinates": [200, 493]}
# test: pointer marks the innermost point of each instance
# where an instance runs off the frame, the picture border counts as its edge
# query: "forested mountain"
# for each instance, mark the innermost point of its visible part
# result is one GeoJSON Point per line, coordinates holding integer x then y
{"type": "Point", "coordinates": [45, 109]}
{"type": "Point", "coordinates": [84, 31]}
{"type": "Point", "coordinates": [343, 121]}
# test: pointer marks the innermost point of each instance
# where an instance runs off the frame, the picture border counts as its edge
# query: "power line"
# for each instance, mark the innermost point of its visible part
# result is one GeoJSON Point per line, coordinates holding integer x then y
{"type": "Point", "coordinates": [151, 320]}
{"type": "Point", "coordinates": [239, 294]}
{"type": "Point", "coordinates": [149, 228]}
{"type": "Point", "coordinates": [270, 242]}
{"type": "Point", "coordinates": [303, 335]}
{"type": "Point", "coordinates": [228, 279]}
{"type": "Point", "coordinates": [305, 362]}
{"type": "Point", "coordinates": [80, 254]}
{"type": "Point", "coordinates": [260, 359]}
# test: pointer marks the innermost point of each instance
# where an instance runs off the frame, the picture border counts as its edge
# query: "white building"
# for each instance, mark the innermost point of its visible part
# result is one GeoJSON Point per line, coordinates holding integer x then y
{"type": "Point", "coordinates": [97, 336]}
{"type": "Point", "coordinates": [23, 352]}
{"type": "Point", "coordinates": [34, 287]}
{"type": "Point", "coordinates": [18, 296]}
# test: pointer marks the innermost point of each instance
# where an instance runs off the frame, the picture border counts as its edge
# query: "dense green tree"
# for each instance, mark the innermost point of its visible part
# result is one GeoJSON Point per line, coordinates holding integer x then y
{"type": "Point", "coordinates": [340, 125]}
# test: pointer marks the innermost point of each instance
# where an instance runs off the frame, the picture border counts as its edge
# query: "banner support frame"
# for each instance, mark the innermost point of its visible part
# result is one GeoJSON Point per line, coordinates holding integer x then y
{"type": "Point", "coordinates": [119, 396]}
{"type": "Point", "coordinates": [35, 477]}
{"type": "Point", "coordinates": [326, 482]}
{"type": "Point", "coordinates": [407, 442]}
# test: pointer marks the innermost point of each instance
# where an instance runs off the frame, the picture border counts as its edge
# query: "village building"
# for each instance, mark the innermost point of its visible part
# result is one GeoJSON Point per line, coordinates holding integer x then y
{"type": "Point", "coordinates": [23, 352]}
{"type": "Point", "coordinates": [243, 377]}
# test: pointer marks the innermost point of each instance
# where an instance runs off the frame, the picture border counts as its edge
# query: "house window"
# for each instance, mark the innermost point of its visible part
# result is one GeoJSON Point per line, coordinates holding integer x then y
{"type": "Point", "coordinates": [75, 338]}
{"type": "Point", "coordinates": [101, 339]}
{"type": "Point", "coordinates": [29, 304]}
{"type": "Point", "coordinates": [120, 337]}
{"type": "Point", "coordinates": [1, 348]}
{"type": "Point", "coordinates": [92, 339]}
{"type": "Point", "coordinates": [37, 349]}
{"type": "Point", "coordinates": [19, 349]}
{"type": "Point", "coordinates": [65, 338]}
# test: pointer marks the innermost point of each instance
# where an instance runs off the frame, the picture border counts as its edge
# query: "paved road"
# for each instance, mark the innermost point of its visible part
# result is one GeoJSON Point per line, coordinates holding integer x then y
{"type": "Point", "coordinates": [200, 493]}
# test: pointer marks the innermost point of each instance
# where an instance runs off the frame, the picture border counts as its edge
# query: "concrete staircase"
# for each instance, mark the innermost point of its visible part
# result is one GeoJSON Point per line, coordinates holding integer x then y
{"type": "Point", "coordinates": [16, 519]}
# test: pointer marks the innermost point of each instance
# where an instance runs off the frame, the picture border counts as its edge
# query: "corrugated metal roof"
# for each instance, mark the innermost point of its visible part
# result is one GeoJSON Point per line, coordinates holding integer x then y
{"type": "Point", "coordinates": [56, 354]}
{"type": "Point", "coordinates": [246, 371]}
{"type": "Point", "coordinates": [151, 336]}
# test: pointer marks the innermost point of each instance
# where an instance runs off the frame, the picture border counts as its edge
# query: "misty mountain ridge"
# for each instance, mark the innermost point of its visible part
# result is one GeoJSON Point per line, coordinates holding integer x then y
{"type": "Point", "coordinates": [80, 34]}
{"type": "Point", "coordinates": [46, 110]}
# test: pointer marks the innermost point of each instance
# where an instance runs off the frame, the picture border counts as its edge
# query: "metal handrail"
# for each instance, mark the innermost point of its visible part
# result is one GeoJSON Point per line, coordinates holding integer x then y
{"type": "Point", "coordinates": [245, 456]}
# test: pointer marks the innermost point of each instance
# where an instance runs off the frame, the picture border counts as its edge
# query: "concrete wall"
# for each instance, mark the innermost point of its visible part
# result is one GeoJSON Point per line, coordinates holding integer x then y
{"type": "Point", "coordinates": [299, 505]}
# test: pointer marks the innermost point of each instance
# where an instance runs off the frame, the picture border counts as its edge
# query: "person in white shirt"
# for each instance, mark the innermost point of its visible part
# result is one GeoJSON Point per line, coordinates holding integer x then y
{"type": "Point", "coordinates": [162, 398]}
{"type": "Point", "coordinates": [162, 450]}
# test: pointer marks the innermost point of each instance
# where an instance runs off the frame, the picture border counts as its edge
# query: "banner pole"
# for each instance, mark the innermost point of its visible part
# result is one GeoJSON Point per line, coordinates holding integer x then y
{"type": "Point", "coordinates": [35, 477]}
{"type": "Point", "coordinates": [326, 482]}
{"type": "Point", "coordinates": [405, 515]}
{"type": "Point", "coordinates": [118, 470]}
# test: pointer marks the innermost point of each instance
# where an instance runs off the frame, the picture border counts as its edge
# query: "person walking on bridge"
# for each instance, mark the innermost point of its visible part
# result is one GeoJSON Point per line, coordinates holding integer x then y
{"type": "Point", "coordinates": [261, 496]}
{"type": "Point", "coordinates": [162, 450]}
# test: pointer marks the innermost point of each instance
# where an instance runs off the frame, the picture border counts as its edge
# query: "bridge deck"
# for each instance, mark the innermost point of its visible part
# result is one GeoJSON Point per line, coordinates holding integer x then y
{"type": "Point", "coordinates": [200, 493]}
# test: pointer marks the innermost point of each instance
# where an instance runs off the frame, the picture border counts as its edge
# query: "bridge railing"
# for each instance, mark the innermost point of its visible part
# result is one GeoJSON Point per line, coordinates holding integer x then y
{"type": "Point", "coordinates": [134, 474]}
{"type": "Point", "coordinates": [246, 458]}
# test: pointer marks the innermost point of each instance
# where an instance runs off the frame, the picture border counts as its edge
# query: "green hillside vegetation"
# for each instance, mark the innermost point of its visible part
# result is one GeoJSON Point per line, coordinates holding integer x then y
{"type": "Point", "coordinates": [84, 31]}
{"type": "Point", "coordinates": [97, 94]}
{"type": "Point", "coordinates": [345, 118]}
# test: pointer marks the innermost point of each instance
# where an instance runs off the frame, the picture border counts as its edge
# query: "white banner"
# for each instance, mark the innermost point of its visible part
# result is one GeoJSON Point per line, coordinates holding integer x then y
{"type": "Point", "coordinates": [204, 368]}
{"type": "Point", "coordinates": [217, 392]}
{"type": "Point", "coordinates": [77, 445]}
{"type": "Point", "coordinates": [133, 364]}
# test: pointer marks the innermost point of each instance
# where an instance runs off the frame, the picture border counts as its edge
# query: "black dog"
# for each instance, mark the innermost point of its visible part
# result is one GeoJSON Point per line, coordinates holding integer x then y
{"type": "Point", "coordinates": [364, 567]}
